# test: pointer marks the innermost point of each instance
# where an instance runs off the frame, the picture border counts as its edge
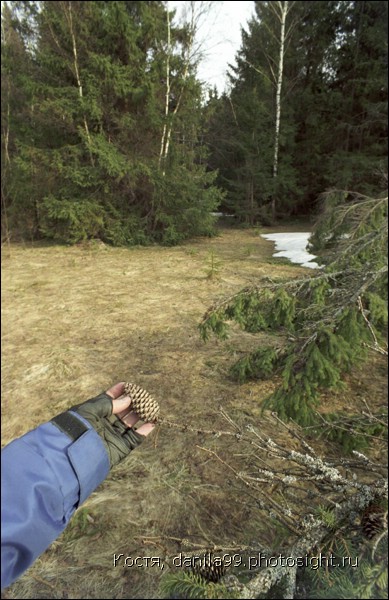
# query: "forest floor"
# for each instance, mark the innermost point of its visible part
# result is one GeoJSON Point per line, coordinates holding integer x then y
{"type": "Point", "coordinates": [77, 320]}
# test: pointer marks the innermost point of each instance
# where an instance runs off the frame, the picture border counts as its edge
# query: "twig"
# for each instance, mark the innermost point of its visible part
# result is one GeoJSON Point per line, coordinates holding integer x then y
{"type": "Point", "coordinates": [376, 346]}
{"type": "Point", "coordinates": [40, 580]}
{"type": "Point", "coordinates": [236, 473]}
{"type": "Point", "coordinates": [152, 539]}
{"type": "Point", "coordinates": [156, 437]}
{"type": "Point", "coordinates": [379, 538]}
{"type": "Point", "coordinates": [216, 547]}
{"type": "Point", "coordinates": [294, 434]}
{"type": "Point", "coordinates": [195, 430]}
{"type": "Point", "coordinates": [229, 420]}
{"type": "Point", "coordinates": [289, 522]}
{"type": "Point", "coordinates": [374, 418]}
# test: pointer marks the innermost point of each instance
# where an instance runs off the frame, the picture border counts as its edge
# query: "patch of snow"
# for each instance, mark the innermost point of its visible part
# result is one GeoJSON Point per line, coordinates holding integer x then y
{"type": "Point", "coordinates": [293, 246]}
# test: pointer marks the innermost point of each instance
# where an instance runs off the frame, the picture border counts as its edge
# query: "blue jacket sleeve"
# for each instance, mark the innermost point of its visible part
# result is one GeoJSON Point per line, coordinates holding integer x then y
{"type": "Point", "coordinates": [45, 477]}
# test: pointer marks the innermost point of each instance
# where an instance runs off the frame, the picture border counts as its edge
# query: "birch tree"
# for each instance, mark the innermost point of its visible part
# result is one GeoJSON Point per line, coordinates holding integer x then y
{"type": "Point", "coordinates": [68, 12]}
{"type": "Point", "coordinates": [280, 10]}
{"type": "Point", "coordinates": [163, 150]}
{"type": "Point", "coordinates": [113, 85]}
{"type": "Point", "coordinates": [257, 174]}
{"type": "Point", "coordinates": [275, 73]}
{"type": "Point", "coordinates": [193, 15]}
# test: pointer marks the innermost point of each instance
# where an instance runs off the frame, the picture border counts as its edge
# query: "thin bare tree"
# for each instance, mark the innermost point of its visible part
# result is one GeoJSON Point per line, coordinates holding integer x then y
{"type": "Point", "coordinates": [67, 8]}
{"type": "Point", "coordinates": [193, 14]}
{"type": "Point", "coordinates": [275, 76]}
{"type": "Point", "coordinates": [281, 11]}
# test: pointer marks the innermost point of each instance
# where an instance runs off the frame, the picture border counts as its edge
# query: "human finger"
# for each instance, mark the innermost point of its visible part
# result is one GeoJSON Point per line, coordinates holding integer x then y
{"type": "Point", "coordinates": [130, 419]}
{"type": "Point", "coordinates": [116, 390]}
{"type": "Point", "coordinates": [121, 406]}
{"type": "Point", "coordinates": [145, 429]}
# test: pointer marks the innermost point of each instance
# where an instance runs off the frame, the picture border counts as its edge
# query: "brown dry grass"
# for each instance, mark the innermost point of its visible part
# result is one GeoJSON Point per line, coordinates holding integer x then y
{"type": "Point", "coordinates": [78, 319]}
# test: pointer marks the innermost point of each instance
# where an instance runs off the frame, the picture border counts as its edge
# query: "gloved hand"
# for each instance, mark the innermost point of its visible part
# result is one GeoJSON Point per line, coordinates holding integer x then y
{"type": "Point", "coordinates": [112, 418]}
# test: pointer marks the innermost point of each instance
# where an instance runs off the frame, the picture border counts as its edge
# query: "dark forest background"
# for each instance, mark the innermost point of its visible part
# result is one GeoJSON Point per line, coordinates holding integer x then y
{"type": "Point", "coordinates": [108, 133]}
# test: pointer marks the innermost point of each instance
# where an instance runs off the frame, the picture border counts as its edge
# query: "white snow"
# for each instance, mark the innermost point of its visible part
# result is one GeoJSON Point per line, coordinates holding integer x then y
{"type": "Point", "coordinates": [293, 246]}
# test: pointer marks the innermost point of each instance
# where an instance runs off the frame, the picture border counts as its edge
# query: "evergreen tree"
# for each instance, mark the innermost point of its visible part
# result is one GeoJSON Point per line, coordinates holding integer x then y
{"type": "Point", "coordinates": [17, 184]}
{"type": "Point", "coordinates": [333, 126]}
{"type": "Point", "coordinates": [245, 153]}
{"type": "Point", "coordinates": [360, 84]}
{"type": "Point", "coordinates": [327, 322]}
{"type": "Point", "coordinates": [98, 90]}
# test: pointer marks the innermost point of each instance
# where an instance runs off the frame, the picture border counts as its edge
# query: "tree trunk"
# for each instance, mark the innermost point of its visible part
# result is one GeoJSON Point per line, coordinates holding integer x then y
{"type": "Point", "coordinates": [283, 7]}
{"type": "Point", "coordinates": [162, 152]}
{"type": "Point", "coordinates": [168, 126]}
{"type": "Point", "coordinates": [69, 17]}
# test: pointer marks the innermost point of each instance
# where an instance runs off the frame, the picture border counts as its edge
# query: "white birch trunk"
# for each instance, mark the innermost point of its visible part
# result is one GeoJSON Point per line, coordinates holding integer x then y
{"type": "Point", "coordinates": [168, 127]}
{"type": "Point", "coordinates": [77, 74]}
{"type": "Point", "coordinates": [283, 6]}
{"type": "Point", "coordinates": [162, 152]}
{"type": "Point", "coordinates": [5, 125]}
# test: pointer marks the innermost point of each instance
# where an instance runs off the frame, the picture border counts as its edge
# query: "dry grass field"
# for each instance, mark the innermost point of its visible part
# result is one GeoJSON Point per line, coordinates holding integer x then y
{"type": "Point", "coordinates": [76, 320]}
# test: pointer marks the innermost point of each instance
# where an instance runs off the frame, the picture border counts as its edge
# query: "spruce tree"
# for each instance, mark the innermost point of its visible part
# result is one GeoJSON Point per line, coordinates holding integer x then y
{"type": "Point", "coordinates": [326, 323]}
{"type": "Point", "coordinates": [359, 97]}
{"type": "Point", "coordinates": [333, 112]}
{"type": "Point", "coordinates": [89, 154]}
{"type": "Point", "coordinates": [19, 184]}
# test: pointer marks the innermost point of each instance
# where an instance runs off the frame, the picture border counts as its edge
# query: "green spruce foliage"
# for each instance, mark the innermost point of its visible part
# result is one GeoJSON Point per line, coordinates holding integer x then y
{"type": "Point", "coordinates": [333, 129]}
{"type": "Point", "coordinates": [91, 90]}
{"type": "Point", "coordinates": [358, 568]}
{"type": "Point", "coordinates": [367, 580]}
{"type": "Point", "coordinates": [325, 323]}
{"type": "Point", "coordinates": [188, 585]}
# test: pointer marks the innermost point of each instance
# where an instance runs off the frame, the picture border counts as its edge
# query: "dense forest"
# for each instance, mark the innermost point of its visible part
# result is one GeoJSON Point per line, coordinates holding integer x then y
{"type": "Point", "coordinates": [108, 133]}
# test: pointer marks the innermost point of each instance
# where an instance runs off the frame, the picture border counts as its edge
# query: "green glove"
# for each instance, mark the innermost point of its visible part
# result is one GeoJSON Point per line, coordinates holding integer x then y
{"type": "Point", "coordinates": [118, 439]}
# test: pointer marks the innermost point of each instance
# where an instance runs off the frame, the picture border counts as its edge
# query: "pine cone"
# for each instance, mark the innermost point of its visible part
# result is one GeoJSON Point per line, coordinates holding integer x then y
{"type": "Point", "coordinates": [142, 403]}
{"type": "Point", "coordinates": [374, 520]}
{"type": "Point", "coordinates": [210, 568]}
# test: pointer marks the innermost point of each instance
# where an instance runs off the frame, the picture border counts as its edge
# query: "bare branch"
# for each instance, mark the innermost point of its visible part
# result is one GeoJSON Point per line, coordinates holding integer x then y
{"type": "Point", "coordinates": [376, 346]}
